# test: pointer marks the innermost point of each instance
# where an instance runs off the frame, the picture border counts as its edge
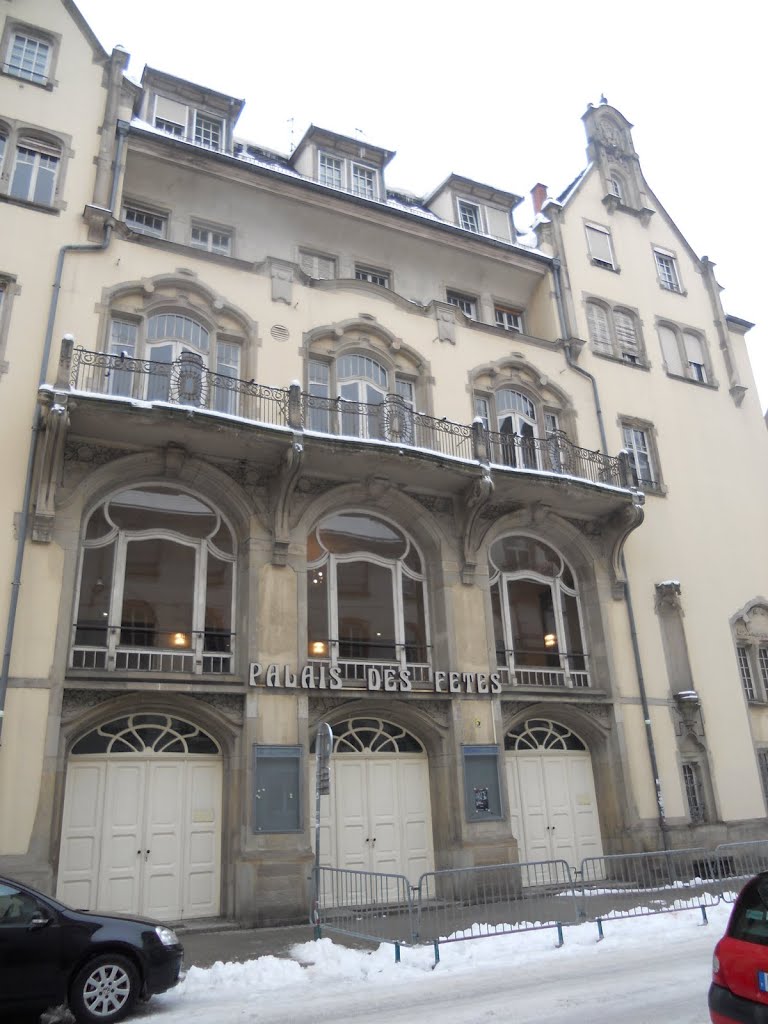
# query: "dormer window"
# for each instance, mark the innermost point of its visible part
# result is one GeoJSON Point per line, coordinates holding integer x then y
{"type": "Point", "coordinates": [184, 122]}
{"type": "Point", "coordinates": [469, 216]}
{"type": "Point", "coordinates": [357, 178]}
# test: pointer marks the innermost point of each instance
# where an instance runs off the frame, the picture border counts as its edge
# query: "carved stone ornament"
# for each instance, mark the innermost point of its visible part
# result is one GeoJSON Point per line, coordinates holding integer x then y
{"type": "Point", "coordinates": [75, 702]}
{"type": "Point", "coordinates": [293, 460]}
{"type": "Point", "coordinates": [312, 486]}
{"type": "Point", "coordinates": [230, 704]}
{"type": "Point", "coordinates": [93, 455]}
{"type": "Point", "coordinates": [475, 497]}
{"type": "Point", "coordinates": [434, 504]}
{"type": "Point", "coordinates": [50, 467]}
{"type": "Point", "coordinates": [244, 473]}
{"type": "Point", "coordinates": [756, 622]}
{"type": "Point", "coordinates": [499, 509]}
{"type": "Point", "coordinates": [668, 595]}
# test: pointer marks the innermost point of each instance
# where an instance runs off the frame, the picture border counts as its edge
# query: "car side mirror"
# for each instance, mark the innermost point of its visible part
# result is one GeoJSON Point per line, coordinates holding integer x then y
{"type": "Point", "coordinates": [39, 920]}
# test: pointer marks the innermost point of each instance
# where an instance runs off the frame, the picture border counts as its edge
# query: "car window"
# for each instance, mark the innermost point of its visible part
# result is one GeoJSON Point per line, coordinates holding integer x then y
{"type": "Point", "coordinates": [16, 907]}
{"type": "Point", "coordinates": [750, 915]}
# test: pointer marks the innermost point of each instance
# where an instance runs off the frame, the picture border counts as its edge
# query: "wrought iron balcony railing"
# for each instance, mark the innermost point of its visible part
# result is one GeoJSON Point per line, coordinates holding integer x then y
{"type": "Point", "coordinates": [188, 382]}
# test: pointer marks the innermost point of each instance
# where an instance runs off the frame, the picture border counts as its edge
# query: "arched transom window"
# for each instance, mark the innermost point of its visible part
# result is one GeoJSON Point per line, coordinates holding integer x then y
{"type": "Point", "coordinates": [516, 429]}
{"type": "Point", "coordinates": [156, 588]}
{"type": "Point", "coordinates": [366, 598]}
{"type": "Point", "coordinates": [537, 626]}
{"type": "Point", "coordinates": [542, 734]}
{"type": "Point", "coordinates": [373, 736]}
{"type": "Point", "coordinates": [146, 734]}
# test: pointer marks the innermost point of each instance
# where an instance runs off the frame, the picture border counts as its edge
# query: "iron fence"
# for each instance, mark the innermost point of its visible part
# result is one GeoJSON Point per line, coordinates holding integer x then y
{"type": "Point", "coordinates": [734, 863]}
{"type": "Point", "coordinates": [369, 905]}
{"type": "Point", "coordinates": [188, 382]}
{"type": "Point", "coordinates": [470, 903]}
{"type": "Point", "coordinates": [641, 884]}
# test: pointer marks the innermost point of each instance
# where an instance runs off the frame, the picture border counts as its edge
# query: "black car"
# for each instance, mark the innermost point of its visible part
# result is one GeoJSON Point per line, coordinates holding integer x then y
{"type": "Point", "coordinates": [98, 964]}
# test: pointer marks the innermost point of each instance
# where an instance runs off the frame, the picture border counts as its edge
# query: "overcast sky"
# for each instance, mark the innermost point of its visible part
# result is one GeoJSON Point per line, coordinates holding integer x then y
{"type": "Point", "coordinates": [495, 91]}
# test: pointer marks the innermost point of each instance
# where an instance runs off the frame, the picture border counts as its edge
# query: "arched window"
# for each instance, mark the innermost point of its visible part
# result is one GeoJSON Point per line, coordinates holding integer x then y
{"type": "Point", "coordinates": [366, 601]}
{"type": "Point", "coordinates": [536, 620]}
{"type": "Point", "coordinates": [616, 186]}
{"type": "Point", "coordinates": [614, 332]}
{"type": "Point", "coordinates": [156, 588]}
{"type": "Point", "coordinates": [516, 430]}
{"type": "Point", "coordinates": [358, 396]}
{"type": "Point", "coordinates": [685, 353]}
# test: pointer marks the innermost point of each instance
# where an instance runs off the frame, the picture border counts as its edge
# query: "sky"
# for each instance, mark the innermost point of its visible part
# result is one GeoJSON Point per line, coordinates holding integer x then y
{"type": "Point", "coordinates": [496, 92]}
{"type": "Point", "coordinates": [645, 970]}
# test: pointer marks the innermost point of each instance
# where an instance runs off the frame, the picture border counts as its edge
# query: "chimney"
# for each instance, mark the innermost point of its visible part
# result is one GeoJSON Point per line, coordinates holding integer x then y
{"type": "Point", "coordinates": [539, 195]}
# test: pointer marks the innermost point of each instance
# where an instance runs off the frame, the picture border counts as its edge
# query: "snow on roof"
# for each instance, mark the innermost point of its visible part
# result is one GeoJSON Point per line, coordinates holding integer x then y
{"type": "Point", "coordinates": [277, 163]}
{"type": "Point", "coordinates": [566, 194]}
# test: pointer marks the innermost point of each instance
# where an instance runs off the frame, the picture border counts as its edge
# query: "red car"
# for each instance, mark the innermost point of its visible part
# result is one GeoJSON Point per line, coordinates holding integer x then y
{"type": "Point", "coordinates": [739, 990]}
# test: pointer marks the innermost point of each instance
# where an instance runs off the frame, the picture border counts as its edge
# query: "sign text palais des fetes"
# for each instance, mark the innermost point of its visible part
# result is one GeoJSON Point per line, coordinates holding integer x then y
{"type": "Point", "coordinates": [379, 678]}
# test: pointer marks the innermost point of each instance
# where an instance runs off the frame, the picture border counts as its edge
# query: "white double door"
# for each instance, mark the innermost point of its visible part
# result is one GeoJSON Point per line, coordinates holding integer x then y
{"type": "Point", "coordinates": [553, 807]}
{"type": "Point", "coordinates": [142, 836]}
{"type": "Point", "coordinates": [378, 815]}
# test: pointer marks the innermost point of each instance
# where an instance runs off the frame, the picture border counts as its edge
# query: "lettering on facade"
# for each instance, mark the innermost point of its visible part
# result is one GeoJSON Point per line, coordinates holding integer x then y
{"type": "Point", "coordinates": [377, 679]}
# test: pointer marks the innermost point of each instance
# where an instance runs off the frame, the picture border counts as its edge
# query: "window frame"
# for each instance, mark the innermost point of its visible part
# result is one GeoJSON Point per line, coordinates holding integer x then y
{"type": "Point", "coordinates": [8, 290]}
{"type": "Point", "coordinates": [13, 28]}
{"type": "Point", "coordinates": [466, 206]}
{"type": "Point", "coordinates": [39, 151]}
{"type": "Point", "coordinates": [211, 229]}
{"type": "Point", "coordinates": [459, 299]}
{"type": "Point", "coordinates": [366, 273]}
{"type": "Point", "coordinates": [762, 770]}
{"type": "Point", "coordinates": [347, 168]}
{"type": "Point", "coordinates": [507, 313]}
{"type": "Point", "coordinates": [131, 207]}
{"type": "Point", "coordinates": [694, 781]}
{"type": "Point", "coordinates": [752, 661]}
{"type": "Point", "coordinates": [614, 348]}
{"type": "Point", "coordinates": [314, 256]}
{"type": "Point", "coordinates": [656, 484]}
{"type": "Point", "coordinates": [705, 375]}
{"type": "Point", "coordinates": [24, 135]}
{"type": "Point", "coordinates": [605, 233]}
{"type": "Point", "coordinates": [661, 254]}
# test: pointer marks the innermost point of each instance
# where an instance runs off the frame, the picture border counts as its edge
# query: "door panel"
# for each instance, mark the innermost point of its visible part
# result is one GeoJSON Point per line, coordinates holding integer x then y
{"type": "Point", "coordinates": [534, 807]}
{"type": "Point", "coordinates": [161, 890]}
{"type": "Point", "coordinates": [383, 815]}
{"type": "Point", "coordinates": [81, 834]}
{"type": "Point", "coordinates": [584, 801]}
{"type": "Point", "coordinates": [122, 841]}
{"type": "Point", "coordinates": [351, 813]}
{"type": "Point", "coordinates": [416, 817]}
{"type": "Point", "coordinates": [560, 815]}
{"type": "Point", "coordinates": [202, 832]}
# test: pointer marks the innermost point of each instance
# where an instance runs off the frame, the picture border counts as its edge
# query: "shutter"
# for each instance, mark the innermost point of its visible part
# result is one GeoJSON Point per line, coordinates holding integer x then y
{"type": "Point", "coordinates": [694, 350]}
{"type": "Point", "coordinates": [599, 330]}
{"type": "Point", "coordinates": [670, 350]}
{"type": "Point", "coordinates": [326, 268]}
{"type": "Point", "coordinates": [307, 263]}
{"type": "Point", "coordinates": [171, 110]}
{"type": "Point", "coordinates": [600, 246]}
{"type": "Point", "coordinates": [625, 331]}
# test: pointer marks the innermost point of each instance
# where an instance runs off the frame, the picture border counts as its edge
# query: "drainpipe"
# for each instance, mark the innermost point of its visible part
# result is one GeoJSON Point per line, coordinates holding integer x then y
{"type": "Point", "coordinates": [565, 327]}
{"type": "Point", "coordinates": [122, 131]}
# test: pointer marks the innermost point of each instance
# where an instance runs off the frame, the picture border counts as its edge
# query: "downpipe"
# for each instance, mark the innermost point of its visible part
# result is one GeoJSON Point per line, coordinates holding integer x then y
{"type": "Point", "coordinates": [565, 328]}
{"type": "Point", "coordinates": [23, 526]}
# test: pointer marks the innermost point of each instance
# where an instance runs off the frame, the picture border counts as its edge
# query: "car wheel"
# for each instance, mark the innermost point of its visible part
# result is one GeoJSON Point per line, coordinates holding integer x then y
{"type": "Point", "coordinates": [104, 990]}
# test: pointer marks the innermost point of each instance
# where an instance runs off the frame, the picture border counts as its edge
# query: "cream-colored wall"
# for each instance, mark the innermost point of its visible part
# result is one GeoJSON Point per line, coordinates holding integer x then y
{"type": "Point", "coordinates": [708, 531]}
{"type": "Point", "coordinates": [21, 763]}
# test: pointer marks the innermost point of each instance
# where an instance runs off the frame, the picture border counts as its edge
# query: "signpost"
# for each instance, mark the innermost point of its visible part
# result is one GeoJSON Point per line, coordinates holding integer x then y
{"type": "Point", "coordinates": [323, 750]}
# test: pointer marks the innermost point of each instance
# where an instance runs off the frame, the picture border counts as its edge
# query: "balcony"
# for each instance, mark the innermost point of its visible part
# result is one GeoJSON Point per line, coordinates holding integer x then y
{"type": "Point", "coordinates": [388, 425]}
{"type": "Point", "coordinates": [142, 649]}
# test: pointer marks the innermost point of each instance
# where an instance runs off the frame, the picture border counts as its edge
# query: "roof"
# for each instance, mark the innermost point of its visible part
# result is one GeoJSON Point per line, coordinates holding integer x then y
{"type": "Point", "coordinates": [182, 85]}
{"type": "Point", "coordinates": [475, 188]}
{"type": "Point", "coordinates": [345, 143]}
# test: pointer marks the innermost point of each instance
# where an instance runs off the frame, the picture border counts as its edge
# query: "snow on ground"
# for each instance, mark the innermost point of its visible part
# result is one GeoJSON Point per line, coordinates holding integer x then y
{"type": "Point", "coordinates": [646, 970]}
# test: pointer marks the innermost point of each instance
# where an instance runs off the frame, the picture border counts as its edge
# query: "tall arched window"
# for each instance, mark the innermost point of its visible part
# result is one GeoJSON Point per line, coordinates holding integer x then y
{"type": "Point", "coordinates": [366, 601]}
{"type": "Point", "coordinates": [358, 396]}
{"type": "Point", "coordinates": [156, 588]}
{"type": "Point", "coordinates": [515, 427]}
{"type": "Point", "coordinates": [536, 620]}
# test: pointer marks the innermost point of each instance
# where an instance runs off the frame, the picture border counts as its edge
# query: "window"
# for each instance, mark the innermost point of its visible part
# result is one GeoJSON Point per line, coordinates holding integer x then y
{"type": "Point", "coordinates": [466, 303]}
{"type": "Point", "coordinates": [336, 172]}
{"type": "Point", "coordinates": [762, 764]}
{"type": "Point", "coordinates": [753, 670]}
{"type": "Point", "coordinates": [3, 142]}
{"type": "Point", "coordinates": [615, 187]}
{"type": "Point", "coordinates": [694, 792]}
{"type": "Point", "coordinates": [509, 319]}
{"type": "Point", "coordinates": [600, 247]}
{"type": "Point", "coordinates": [745, 671]}
{"type": "Point", "coordinates": [145, 223]}
{"type": "Point", "coordinates": [276, 788]}
{"type": "Point", "coordinates": [749, 920]}
{"type": "Point", "coordinates": [536, 618]}
{"type": "Point", "coordinates": [379, 277]}
{"type": "Point", "coordinates": [637, 443]}
{"type": "Point", "coordinates": [666, 268]}
{"type": "Point", "coordinates": [685, 352]}
{"type": "Point", "coordinates": [614, 332]}
{"type": "Point", "coordinates": [317, 265]}
{"type": "Point", "coordinates": [208, 131]}
{"type": "Point", "coordinates": [469, 216]}
{"type": "Point", "coordinates": [513, 436]}
{"type": "Point", "coordinates": [366, 600]}
{"type": "Point", "coordinates": [331, 171]}
{"type": "Point", "coordinates": [156, 589]}
{"type": "Point", "coordinates": [35, 172]}
{"type": "Point", "coordinates": [171, 116]}
{"type": "Point", "coordinates": [28, 57]}
{"type": "Point", "coordinates": [211, 239]}
{"type": "Point", "coordinates": [363, 181]}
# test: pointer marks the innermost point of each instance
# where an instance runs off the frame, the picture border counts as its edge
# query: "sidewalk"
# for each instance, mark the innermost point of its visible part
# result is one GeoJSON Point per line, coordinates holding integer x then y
{"type": "Point", "coordinates": [203, 948]}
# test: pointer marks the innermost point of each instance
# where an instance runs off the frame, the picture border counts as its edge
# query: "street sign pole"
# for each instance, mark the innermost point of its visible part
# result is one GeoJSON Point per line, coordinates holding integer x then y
{"type": "Point", "coordinates": [323, 749]}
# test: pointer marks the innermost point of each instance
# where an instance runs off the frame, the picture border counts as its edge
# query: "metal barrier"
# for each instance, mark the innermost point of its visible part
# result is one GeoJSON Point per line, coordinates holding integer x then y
{"type": "Point", "coordinates": [471, 903]}
{"type": "Point", "coordinates": [364, 905]}
{"type": "Point", "coordinates": [734, 863]}
{"type": "Point", "coordinates": [640, 884]}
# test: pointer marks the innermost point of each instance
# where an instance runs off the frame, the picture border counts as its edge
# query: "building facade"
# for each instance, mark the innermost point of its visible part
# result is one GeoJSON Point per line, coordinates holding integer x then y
{"type": "Point", "coordinates": [306, 449]}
